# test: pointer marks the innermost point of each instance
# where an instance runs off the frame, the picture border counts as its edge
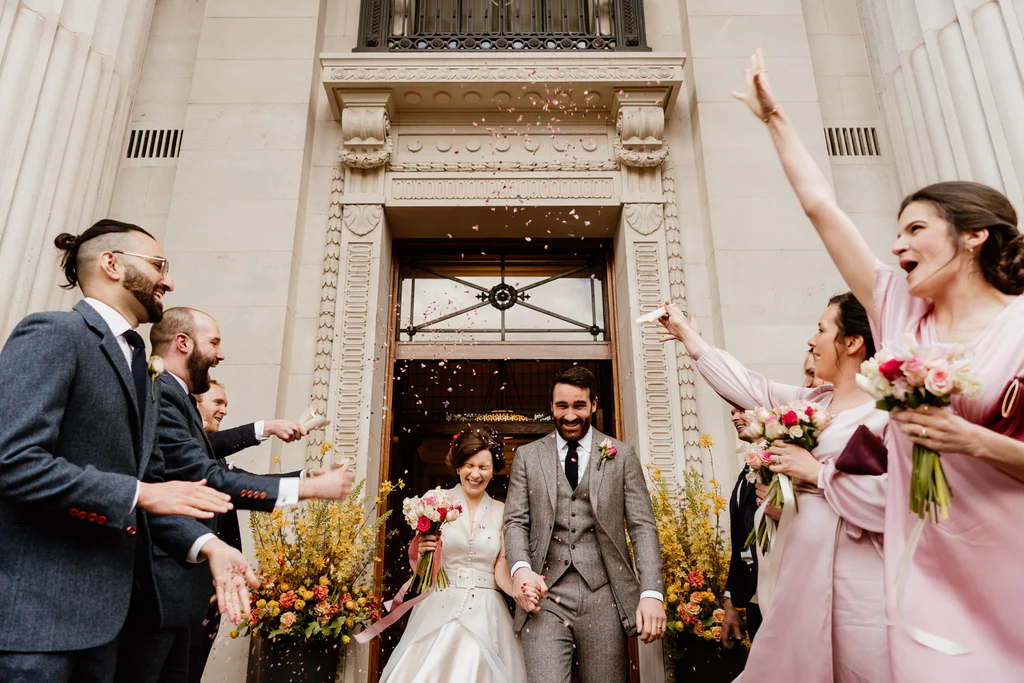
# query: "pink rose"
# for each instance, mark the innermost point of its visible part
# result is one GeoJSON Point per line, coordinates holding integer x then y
{"type": "Point", "coordinates": [441, 513]}
{"type": "Point", "coordinates": [890, 369]}
{"type": "Point", "coordinates": [939, 382]}
{"type": "Point", "coordinates": [900, 389]}
{"type": "Point", "coordinates": [423, 525]}
{"type": "Point", "coordinates": [809, 412]}
{"type": "Point", "coordinates": [916, 372]}
{"type": "Point", "coordinates": [766, 456]}
{"type": "Point", "coordinates": [791, 418]}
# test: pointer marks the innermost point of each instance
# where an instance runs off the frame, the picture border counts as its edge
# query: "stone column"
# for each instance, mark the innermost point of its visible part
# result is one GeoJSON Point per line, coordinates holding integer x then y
{"type": "Point", "coordinates": [950, 77]}
{"type": "Point", "coordinates": [68, 73]}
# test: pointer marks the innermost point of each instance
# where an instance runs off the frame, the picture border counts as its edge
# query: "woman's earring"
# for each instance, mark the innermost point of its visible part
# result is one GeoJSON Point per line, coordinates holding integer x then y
{"type": "Point", "coordinates": [970, 250]}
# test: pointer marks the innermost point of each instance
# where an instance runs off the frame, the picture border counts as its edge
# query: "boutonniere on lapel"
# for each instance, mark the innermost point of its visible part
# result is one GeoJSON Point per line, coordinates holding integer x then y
{"type": "Point", "coordinates": [156, 368]}
{"type": "Point", "coordinates": [608, 451]}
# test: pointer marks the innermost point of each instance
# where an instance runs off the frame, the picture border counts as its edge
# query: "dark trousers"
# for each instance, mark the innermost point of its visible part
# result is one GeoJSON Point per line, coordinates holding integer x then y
{"type": "Point", "coordinates": [753, 619]}
{"type": "Point", "coordinates": [94, 665]}
{"type": "Point", "coordinates": [201, 637]}
{"type": "Point", "coordinates": [153, 656]}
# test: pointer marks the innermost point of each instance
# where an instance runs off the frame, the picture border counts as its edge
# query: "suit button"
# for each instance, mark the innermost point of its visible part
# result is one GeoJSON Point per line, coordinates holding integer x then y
{"type": "Point", "coordinates": [567, 563]}
{"type": "Point", "coordinates": [101, 519]}
{"type": "Point", "coordinates": [73, 512]}
{"type": "Point", "coordinates": [83, 515]}
{"type": "Point", "coordinates": [573, 514]}
{"type": "Point", "coordinates": [131, 531]}
{"type": "Point", "coordinates": [92, 516]}
{"type": "Point", "coordinates": [572, 531]}
{"type": "Point", "coordinates": [572, 547]}
{"type": "Point", "coordinates": [263, 495]}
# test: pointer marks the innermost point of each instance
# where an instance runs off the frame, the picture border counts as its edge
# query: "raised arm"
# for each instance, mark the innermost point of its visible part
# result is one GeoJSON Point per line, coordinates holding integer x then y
{"type": "Point", "coordinates": [736, 384]}
{"type": "Point", "coordinates": [842, 240]}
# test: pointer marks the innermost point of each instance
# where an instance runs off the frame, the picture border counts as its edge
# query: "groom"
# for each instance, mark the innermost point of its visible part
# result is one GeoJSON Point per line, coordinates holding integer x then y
{"type": "Point", "coordinates": [570, 498]}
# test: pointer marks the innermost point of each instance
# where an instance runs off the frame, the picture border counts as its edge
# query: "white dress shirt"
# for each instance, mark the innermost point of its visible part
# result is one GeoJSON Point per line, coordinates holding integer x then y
{"type": "Point", "coordinates": [586, 444]}
{"type": "Point", "coordinates": [287, 493]}
{"type": "Point", "coordinates": [118, 326]}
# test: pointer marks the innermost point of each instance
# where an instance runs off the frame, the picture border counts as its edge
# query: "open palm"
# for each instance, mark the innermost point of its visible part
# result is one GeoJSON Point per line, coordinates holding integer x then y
{"type": "Point", "coordinates": [759, 95]}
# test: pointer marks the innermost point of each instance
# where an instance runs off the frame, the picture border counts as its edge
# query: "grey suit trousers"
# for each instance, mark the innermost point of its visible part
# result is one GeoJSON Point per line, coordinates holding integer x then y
{"type": "Point", "coordinates": [576, 628]}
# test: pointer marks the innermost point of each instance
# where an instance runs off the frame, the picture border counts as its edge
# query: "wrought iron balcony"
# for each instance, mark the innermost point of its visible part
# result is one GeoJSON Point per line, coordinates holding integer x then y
{"type": "Point", "coordinates": [422, 25]}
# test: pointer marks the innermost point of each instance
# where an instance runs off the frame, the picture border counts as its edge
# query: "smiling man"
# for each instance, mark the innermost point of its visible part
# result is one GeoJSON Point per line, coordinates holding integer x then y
{"type": "Point", "coordinates": [571, 497]}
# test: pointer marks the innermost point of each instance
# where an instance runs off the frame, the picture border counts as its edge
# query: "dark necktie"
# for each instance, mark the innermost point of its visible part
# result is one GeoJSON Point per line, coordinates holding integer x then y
{"type": "Point", "coordinates": [572, 464]}
{"type": "Point", "coordinates": [139, 370]}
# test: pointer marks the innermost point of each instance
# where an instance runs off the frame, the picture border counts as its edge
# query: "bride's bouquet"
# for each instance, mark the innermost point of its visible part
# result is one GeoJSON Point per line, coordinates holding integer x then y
{"type": "Point", "coordinates": [910, 376]}
{"type": "Point", "coordinates": [426, 515]}
{"type": "Point", "coordinates": [798, 423]}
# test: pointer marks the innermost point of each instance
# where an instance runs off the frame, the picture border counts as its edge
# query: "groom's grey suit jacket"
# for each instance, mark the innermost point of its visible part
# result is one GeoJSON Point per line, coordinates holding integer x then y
{"type": "Point", "coordinates": [619, 499]}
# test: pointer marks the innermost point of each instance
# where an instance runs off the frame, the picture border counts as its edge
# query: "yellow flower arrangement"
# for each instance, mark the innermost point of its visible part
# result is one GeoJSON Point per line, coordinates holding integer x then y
{"type": "Point", "coordinates": [311, 559]}
{"type": "Point", "coordinates": [695, 553]}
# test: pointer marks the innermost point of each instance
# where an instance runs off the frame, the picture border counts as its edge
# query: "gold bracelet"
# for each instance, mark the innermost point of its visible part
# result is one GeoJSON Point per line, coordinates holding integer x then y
{"type": "Point", "coordinates": [772, 113]}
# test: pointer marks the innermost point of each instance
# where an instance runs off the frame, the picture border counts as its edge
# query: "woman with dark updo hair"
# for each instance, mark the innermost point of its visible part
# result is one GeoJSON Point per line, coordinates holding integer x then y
{"type": "Point", "coordinates": [820, 588]}
{"type": "Point", "coordinates": [956, 605]}
{"type": "Point", "coordinates": [464, 632]}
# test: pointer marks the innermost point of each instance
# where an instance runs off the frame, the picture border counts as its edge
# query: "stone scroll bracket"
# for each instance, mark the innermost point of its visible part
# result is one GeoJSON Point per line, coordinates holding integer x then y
{"type": "Point", "coordinates": [366, 144]}
{"type": "Point", "coordinates": [639, 142]}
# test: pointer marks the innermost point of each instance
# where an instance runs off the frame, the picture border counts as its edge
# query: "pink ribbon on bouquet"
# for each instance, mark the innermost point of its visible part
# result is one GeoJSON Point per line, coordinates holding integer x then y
{"type": "Point", "coordinates": [397, 605]}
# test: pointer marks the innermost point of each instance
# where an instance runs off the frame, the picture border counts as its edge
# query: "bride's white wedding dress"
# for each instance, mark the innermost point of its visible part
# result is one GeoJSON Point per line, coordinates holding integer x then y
{"type": "Point", "coordinates": [463, 633]}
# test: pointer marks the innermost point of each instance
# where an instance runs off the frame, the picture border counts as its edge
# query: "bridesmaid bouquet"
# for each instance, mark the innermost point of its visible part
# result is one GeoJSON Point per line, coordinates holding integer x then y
{"type": "Point", "coordinates": [427, 515]}
{"type": "Point", "coordinates": [798, 423]}
{"type": "Point", "coordinates": [910, 376]}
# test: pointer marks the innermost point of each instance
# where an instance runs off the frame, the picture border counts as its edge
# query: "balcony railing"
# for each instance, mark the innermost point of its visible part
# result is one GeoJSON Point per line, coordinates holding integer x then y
{"type": "Point", "coordinates": [422, 25]}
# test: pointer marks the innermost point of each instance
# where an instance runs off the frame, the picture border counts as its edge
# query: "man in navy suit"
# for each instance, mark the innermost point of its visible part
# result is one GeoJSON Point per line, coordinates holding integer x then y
{"type": "Point", "coordinates": [82, 487]}
{"type": "Point", "coordinates": [213, 407]}
{"type": "Point", "coordinates": [156, 650]}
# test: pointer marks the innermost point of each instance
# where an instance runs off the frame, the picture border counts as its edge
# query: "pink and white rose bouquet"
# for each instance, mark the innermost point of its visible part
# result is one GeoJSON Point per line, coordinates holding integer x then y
{"type": "Point", "coordinates": [910, 376]}
{"type": "Point", "coordinates": [798, 423]}
{"type": "Point", "coordinates": [426, 515]}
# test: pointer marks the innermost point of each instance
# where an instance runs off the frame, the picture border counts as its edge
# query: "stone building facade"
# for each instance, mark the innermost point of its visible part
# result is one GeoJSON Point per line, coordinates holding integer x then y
{"type": "Point", "coordinates": [297, 157]}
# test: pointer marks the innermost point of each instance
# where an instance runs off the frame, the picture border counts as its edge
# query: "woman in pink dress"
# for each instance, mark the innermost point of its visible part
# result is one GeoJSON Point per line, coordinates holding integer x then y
{"type": "Point", "coordinates": [825, 620]}
{"type": "Point", "coordinates": [964, 261]}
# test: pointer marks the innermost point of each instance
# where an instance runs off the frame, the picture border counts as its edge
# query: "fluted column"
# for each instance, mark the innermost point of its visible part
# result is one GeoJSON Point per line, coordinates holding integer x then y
{"type": "Point", "coordinates": [950, 76]}
{"type": "Point", "coordinates": [68, 70]}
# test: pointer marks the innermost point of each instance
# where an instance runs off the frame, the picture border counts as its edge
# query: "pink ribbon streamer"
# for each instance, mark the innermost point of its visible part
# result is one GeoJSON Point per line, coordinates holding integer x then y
{"type": "Point", "coordinates": [398, 606]}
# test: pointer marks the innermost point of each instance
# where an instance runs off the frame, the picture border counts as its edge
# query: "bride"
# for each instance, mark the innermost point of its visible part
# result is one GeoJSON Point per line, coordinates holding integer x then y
{"type": "Point", "coordinates": [464, 632]}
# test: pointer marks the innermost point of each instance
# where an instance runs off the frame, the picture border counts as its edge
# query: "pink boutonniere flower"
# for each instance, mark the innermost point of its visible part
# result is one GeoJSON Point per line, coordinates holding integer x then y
{"type": "Point", "coordinates": [608, 451]}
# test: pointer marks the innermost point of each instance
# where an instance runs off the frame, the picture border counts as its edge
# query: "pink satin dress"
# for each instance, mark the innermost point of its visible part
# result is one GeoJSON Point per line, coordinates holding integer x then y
{"type": "Point", "coordinates": [825, 623]}
{"type": "Point", "coordinates": [965, 580]}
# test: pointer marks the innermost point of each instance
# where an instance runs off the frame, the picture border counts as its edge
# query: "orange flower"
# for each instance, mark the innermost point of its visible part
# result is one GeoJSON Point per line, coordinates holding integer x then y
{"type": "Point", "coordinates": [695, 579]}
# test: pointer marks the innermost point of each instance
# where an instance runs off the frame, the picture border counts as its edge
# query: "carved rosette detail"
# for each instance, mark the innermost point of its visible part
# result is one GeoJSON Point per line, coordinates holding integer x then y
{"type": "Point", "coordinates": [638, 136]}
{"type": "Point", "coordinates": [677, 292]}
{"type": "Point", "coordinates": [328, 306]}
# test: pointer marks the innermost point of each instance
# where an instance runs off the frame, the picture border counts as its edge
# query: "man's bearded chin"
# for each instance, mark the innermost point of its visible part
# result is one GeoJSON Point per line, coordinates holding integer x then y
{"type": "Point", "coordinates": [198, 371]}
{"type": "Point", "coordinates": [582, 426]}
{"type": "Point", "coordinates": [144, 292]}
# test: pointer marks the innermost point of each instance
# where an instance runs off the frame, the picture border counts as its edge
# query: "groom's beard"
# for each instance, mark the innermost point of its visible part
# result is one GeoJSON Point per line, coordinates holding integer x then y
{"type": "Point", "coordinates": [573, 430]}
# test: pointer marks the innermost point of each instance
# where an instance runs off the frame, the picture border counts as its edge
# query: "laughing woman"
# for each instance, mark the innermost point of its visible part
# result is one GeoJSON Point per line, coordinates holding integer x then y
{"type": "Point", "coordinates": [964, 271]}
{"type": "Point", "coordinates": [824, 623]}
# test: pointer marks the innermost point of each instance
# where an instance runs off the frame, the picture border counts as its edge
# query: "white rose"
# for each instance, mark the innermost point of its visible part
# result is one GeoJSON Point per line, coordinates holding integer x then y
{"type": "Point", "coordinates": [754, 430]}
{"type": "Point", "coordinates": [877, 387]}
{"type": "Point", "coordinates": [452, 515]}
{"type": "Point", "coordinates": [774, 430]}
{"type": "Point", "coordinates": [156, 364]}
{"type": "Point", "coordinates": [796, 431]}
{"type": "Point", "coordinates": [820, 419]}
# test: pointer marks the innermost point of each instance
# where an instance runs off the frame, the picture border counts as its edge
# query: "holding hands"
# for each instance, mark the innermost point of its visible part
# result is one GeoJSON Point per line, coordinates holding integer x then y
{"type": "Point", "coordinates": [528, 589]}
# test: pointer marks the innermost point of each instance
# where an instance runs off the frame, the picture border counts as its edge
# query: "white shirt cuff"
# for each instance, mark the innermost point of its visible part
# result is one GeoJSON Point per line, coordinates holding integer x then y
{"type": "Point", "coordinates": [287, 492]}
{"type": "Point", "coordinates": [193, 552]}
{"type": "Point", "coordinates": [653, 594]}
{"type": "Point", "coordinates": [519, 565]}
{"type": "Point", "coordinates": [258, 428]}
{"type": "Point", "coordinates": [135, 500]}
{"type": "Point", "coordinates": [727, 595]}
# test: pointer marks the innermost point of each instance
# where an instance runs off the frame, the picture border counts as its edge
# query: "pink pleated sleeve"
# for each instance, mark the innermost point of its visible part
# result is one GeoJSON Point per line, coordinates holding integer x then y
{"type": "Point", "coordinates": [746, 389]}
{"type": "Point", "coordinates": [857, 498]}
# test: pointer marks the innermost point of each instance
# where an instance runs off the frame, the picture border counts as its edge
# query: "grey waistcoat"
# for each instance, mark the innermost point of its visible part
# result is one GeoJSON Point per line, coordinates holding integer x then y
{"type": "Point", "coordinates": [574, 541]}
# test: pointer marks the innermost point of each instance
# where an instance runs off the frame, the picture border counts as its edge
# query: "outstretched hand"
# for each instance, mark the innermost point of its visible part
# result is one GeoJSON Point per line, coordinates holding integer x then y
{"type": "Point", "coordinates": [681, 327]}
{"type": "Point", "coordinates": [758, 97]}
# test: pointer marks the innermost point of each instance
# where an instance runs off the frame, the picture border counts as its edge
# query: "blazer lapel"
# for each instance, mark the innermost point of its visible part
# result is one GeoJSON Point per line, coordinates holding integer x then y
{"type": "Point", "coordinates": [549, 463]}
{"type": "Point", "coordinates": [108, 344]}
{"type": "Point", "coordinates": [596, 469]}
{"type": "Point", "coordinates": [149, 428]}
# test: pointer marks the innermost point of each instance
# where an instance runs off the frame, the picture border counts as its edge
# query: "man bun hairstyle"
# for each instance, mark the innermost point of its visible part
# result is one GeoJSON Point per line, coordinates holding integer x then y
{"type": "Point", "coordinates": [577, 376]}
{"type": "Point", "coordinates": [969, 207]}
{"type": "Point", "coordinates": [469, 442]}
{"type": "Point", "coordinates": [70, 245]}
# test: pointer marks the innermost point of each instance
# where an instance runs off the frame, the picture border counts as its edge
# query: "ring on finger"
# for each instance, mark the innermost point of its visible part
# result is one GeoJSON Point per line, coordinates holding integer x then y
{"type": "Point", "coordinates": [924, 433]}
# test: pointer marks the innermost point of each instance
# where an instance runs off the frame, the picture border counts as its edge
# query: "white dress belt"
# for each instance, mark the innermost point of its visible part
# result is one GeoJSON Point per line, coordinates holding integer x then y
{"type": "Point", "coordinates": [468, 577]}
